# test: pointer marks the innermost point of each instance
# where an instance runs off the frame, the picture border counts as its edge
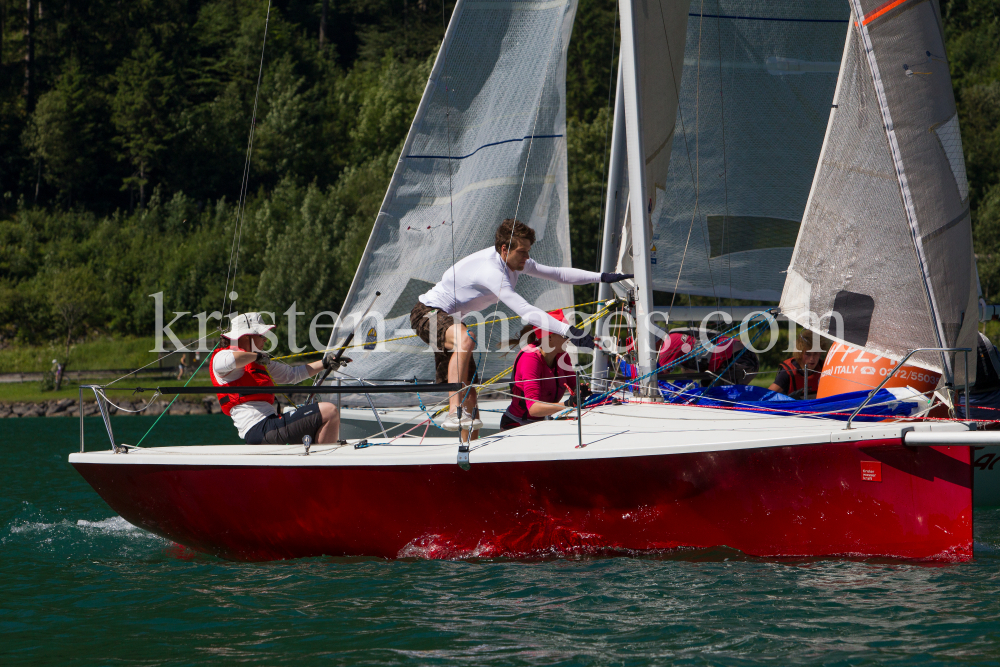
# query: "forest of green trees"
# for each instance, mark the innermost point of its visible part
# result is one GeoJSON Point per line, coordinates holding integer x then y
{"type": "Point", "coordinates": [123, 131]}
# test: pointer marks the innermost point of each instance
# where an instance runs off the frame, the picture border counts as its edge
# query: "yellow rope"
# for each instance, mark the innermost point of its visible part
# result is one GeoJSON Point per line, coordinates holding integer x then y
{"type": "Point", "coordinates": [390, 340]}
{"type": "Point", "coordinates": [596, 316]}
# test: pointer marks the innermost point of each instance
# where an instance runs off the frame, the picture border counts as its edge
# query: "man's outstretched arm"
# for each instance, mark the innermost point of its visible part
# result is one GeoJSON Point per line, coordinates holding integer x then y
{"type": "Point", "coordinates": [571, 276]}
{"type": "Point", "coordinates": [535, 316]}
{"type": "Point", "coordinates": [560, 274]}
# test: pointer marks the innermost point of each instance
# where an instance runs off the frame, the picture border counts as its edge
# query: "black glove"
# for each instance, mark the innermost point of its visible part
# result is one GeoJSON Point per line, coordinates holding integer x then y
{"type": "Point", "coordinates": [581, 339]}
{"type": "Point", "coordinates": [585, 393]}
{"type": "Point", "coordinates": [615, 277]}
{"type": "Point", "coordinates": [332, 363]}
{"type": "Point", "coordinates": [263, 358]}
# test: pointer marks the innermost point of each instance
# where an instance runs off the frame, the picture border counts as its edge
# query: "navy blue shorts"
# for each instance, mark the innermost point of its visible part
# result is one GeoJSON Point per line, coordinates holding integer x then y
{"type": "Point", "coordinates": [286, 429]}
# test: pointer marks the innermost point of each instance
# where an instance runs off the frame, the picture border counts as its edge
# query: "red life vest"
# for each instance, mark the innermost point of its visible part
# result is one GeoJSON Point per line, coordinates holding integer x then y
{"type": "Point", "coordinates": [678, 345]}
{"type": "Point", "coordinates": [796, 379]}
{"type": "Point", "coordinates": [254, 375]}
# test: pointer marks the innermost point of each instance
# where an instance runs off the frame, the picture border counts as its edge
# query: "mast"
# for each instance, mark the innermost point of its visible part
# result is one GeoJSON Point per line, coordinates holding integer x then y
{"type": "Point", "coordinates": [639, 219]}
{"type": "Point", "coordinates": [612, 203]}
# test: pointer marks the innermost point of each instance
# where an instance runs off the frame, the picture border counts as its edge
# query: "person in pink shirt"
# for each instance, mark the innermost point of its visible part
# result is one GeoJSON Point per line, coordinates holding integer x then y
{"type": "Point", "coordinates": [542, 374]}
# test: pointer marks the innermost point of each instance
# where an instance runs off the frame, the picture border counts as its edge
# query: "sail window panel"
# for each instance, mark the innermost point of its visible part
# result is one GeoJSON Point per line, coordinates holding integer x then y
{"type": "Point", "coordinates": [755, 96]}
{"type": "Point", "coordinates": [488, 141]}
{"type": "Point", "coordinates": [951, 143]}
{"type": "Point", "coordinates": [856, 310]}
{"type": "Point", "coordinates": [408, 297]}
{"type": "Point", "coordinates": [740, 233]}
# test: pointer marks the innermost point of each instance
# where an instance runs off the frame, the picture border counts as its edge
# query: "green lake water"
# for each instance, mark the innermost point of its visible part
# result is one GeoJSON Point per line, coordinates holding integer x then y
{"type": "Point", "coordinates": [79, 585]}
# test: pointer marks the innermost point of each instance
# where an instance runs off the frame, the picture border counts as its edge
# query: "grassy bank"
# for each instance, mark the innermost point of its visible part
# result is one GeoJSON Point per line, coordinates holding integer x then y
{"type": "Point", "coordinates": [104, 353]}
{"type": "Point", "coordinates": [30, 392]}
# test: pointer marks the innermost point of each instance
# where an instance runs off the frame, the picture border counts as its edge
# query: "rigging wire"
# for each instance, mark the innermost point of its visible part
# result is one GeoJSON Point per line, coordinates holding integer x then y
{"type": "Point", "coordinates": [234, 252]}
{"type": "Point", "coordinates": [451, 199]}
{"type": "Point", "coordinates": [687, 151]}
{"type": "Point", "coordinates": [605, 202]}
{"type": "Point", "coordinates": [520, 192]}
{"type": "Point", "coordinates": [697, 157]}
{"type": "Point", "coordinates": [695, 172]}
{"type": "Point", "coordinates": [725, 166]}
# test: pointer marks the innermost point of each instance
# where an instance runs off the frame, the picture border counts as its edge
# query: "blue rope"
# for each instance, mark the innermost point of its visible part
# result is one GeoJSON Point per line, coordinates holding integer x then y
{"type": "Point", "coordinates": [736, 357]}
{"type": "Point", "coordinates": [597, 398]}
{"type": "Point", "coordinates": [431, 418]}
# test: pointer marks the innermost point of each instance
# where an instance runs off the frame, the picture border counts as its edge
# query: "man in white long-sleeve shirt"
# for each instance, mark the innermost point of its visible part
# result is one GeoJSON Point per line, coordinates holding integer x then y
{"type": "Point", "coordinates": [476, 283]}
{"type": "Point", "coordinates": [242, 364]}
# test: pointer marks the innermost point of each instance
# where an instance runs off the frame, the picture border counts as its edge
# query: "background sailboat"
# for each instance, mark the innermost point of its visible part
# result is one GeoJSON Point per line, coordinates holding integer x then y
{"type": "Point", "coordinates": [757, 82]}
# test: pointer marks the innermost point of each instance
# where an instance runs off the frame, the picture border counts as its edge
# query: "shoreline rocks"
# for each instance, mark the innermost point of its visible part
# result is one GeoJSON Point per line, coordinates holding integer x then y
{"type": "Point", "coordinates": [68, 407]}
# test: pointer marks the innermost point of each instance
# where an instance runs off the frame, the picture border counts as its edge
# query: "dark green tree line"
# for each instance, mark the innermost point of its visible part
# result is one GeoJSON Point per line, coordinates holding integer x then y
{"type": "Point", "coordinates": [123, 135]}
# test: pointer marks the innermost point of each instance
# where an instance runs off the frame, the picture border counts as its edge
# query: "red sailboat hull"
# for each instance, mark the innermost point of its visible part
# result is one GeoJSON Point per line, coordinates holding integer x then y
{"type": "Point", "coordinates": [875, 498]}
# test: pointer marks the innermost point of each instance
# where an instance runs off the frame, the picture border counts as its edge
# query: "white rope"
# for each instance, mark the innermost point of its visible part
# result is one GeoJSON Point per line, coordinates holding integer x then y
{"type": "Point", "coordinates": [152, 399]}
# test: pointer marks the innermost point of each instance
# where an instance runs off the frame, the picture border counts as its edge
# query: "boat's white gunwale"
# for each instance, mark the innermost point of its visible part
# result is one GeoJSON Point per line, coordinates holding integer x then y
{"type": "Point", "coordinates": [443, 454]}
{"type": "Point", "coordinates": [614, 432]}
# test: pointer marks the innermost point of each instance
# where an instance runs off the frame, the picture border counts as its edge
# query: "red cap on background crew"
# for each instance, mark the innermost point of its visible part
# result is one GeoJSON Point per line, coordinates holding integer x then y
{"type": "Point", "coordinates": [556, 314]}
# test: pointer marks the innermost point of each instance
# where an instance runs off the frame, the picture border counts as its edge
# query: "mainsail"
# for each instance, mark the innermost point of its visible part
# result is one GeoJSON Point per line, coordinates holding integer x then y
{"type": "Point", "coordinates": [886, 242]}
{"type": "Point", "coordinates": [758, 79]}
{"type": "Point", "coordinates": [488, 142]}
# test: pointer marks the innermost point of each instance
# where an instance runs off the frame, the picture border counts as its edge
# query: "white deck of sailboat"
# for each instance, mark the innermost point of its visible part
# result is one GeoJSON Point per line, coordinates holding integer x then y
{"type": "Point", "coordinates": [608, 432]}
{"type": "Point", "coordinates": [489, 412]}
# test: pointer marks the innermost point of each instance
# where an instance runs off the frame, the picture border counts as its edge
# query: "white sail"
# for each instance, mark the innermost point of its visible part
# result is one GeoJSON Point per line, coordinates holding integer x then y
{"type": "Point", "coordinates": [886, 241]}
{"type": "Point", "coordinates": [758, 79]}
{"type": "Point", "coordinates": [488, 142]}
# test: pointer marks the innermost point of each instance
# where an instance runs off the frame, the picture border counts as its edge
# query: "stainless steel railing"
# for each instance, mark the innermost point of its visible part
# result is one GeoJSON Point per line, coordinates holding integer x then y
{"type": "Point", "coordinates": [909, 354]}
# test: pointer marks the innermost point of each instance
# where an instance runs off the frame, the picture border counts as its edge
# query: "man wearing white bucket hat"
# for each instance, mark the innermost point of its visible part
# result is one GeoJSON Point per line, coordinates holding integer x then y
{"type": "Point", "coordinates": [244, 364]}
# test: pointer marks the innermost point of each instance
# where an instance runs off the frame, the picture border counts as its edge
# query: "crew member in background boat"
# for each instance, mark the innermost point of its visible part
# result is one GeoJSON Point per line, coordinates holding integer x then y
{"type": "Point", "coordinates": [799, 376]}
{"type": "Point", "coordinates": [716, 359]}
{"type": "Point", "coordinates": [243, 364]}
{"type": "Point", "coordinates": [542, 374]}
{"type": "Point", "coordinates": [474, 284]}
{"type": "Point", "coordinates": [984, 398]}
